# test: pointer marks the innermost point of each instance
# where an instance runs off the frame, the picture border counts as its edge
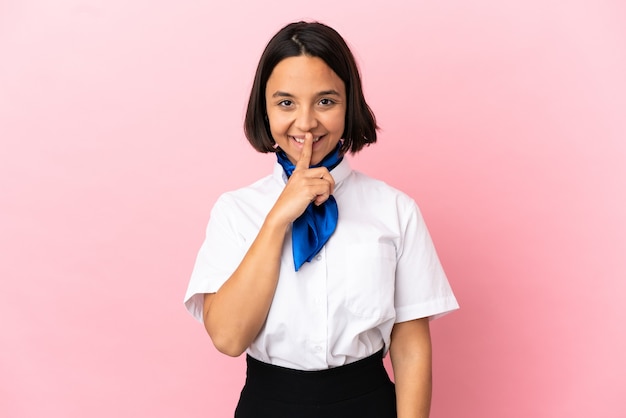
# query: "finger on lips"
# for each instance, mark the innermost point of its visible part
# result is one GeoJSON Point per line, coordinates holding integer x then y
{"type": "Point", "coordinates": [304, 161]}
{"type": "Point", "coordinates": [320, 173]}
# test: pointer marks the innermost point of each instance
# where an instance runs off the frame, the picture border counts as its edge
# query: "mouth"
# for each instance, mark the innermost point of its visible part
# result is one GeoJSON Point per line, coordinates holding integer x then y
{"type": "Point", "coordinates": [300, 140]}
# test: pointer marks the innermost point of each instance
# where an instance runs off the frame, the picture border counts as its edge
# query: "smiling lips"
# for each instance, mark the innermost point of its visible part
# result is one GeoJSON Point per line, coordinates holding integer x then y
{"type": "Point", "coordinates": [301, 140]}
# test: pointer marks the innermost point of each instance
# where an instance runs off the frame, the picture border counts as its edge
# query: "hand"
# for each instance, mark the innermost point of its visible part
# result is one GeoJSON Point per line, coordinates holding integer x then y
{"type": "Point", "coordinates": [305, 185]}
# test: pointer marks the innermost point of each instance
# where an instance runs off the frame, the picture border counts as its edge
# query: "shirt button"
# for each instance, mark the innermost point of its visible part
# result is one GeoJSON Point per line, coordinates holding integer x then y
{"type": "Point", "coordinates": [318, 257]}
{"type": "Point", "coordinates": [318, 348]}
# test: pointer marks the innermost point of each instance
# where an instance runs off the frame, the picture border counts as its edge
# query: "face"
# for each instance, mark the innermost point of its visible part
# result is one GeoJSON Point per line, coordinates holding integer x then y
{"type": "Point", "coordinates": [303, 94]}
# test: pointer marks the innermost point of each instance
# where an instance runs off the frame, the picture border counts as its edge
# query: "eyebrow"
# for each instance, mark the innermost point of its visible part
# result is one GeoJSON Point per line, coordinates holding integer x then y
{"type": "Point", "coordinates": [321, 93]}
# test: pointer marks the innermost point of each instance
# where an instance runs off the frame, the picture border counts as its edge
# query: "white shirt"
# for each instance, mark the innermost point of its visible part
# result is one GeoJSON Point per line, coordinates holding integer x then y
{"type": "Point", "coordinates": [378, 268]}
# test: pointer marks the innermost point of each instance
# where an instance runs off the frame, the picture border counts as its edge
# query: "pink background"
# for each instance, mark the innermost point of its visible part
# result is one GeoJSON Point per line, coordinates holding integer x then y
{"type": "Point", "coordinates": [120, 123]}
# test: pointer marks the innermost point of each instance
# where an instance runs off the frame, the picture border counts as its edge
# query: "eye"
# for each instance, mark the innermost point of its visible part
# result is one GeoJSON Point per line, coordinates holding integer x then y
{"type": "Point", "coordinates": [285, 103]}
{"type": "Point", "coordinates": [326, 102]}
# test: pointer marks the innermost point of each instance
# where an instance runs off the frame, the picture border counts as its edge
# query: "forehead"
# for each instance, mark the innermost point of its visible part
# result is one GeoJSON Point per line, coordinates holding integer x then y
{"type": "Point", "coordinates": [303, 75]}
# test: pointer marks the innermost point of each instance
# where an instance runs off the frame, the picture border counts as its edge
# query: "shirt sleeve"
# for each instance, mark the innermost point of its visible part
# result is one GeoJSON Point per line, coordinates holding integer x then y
{"type": "Point", "coordinates": [422, 288]}
{"type": "Point", "coordinates": [218, 257]}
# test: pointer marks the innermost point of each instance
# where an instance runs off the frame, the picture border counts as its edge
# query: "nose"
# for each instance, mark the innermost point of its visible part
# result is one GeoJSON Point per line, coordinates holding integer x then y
{"type": "Point", "coordinates": [306, 120]}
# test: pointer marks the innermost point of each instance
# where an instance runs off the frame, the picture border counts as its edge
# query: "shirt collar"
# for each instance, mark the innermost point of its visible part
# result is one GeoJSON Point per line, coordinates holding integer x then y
{"type": "Point", "coordinates": [340, 173]}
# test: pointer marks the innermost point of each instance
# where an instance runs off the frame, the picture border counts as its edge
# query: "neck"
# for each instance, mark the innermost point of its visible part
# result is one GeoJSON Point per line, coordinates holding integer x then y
{"type": "Point", "coordinates": [330, 161]}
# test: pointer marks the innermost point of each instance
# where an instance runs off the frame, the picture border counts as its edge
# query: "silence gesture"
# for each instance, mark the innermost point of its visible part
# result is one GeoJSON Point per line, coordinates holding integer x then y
{"type": "Point", "coordinates": [305, 185]}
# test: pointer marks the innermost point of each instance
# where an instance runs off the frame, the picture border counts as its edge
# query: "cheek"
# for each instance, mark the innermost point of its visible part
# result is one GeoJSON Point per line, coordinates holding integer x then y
{"type": "Point", "coordinates": [337, 123]}
{"type": "Point", "coordinates": [277, 124]}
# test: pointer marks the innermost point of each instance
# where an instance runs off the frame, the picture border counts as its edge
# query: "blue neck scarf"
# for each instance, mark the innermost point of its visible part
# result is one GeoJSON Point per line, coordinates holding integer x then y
{"type": "Point", "coordinates": [314, 227]}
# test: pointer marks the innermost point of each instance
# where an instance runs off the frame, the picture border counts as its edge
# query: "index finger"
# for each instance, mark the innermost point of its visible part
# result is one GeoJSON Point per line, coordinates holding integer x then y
{"type": "Point", "coordinates": [304, 161]}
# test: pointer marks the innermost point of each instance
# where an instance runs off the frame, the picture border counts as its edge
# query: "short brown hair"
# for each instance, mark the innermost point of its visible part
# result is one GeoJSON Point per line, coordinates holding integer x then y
{"type": "Point", "coordinates": [314, 40]}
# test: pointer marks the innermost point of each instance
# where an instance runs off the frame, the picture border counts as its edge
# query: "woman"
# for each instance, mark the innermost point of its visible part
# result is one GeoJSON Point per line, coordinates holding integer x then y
{"type": "Point", "coordinates": [317, 271]}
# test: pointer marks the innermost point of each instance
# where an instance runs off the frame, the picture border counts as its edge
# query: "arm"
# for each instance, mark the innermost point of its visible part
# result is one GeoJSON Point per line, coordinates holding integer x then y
{"type": "Point", "coordinates": [234, 315]}
{"type": "Point", "coordinates": [410, 352]}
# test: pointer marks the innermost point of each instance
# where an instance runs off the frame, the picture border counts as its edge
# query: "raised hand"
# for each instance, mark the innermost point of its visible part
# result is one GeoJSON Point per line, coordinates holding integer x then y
{"type": "Point", "coordinates": [305, 185]}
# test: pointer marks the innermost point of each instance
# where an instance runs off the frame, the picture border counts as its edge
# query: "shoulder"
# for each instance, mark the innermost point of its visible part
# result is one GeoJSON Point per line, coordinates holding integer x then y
{"type": "Point", "coordinates": [250, 201]}
{"type": "Point", "coordinates": [378, 190]}
{"type": "Point", "coordinates": [249, 193]}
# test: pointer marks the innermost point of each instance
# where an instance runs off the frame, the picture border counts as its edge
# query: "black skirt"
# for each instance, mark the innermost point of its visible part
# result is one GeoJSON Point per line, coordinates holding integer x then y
{"type": "Point", "coordinates": [361, 389]}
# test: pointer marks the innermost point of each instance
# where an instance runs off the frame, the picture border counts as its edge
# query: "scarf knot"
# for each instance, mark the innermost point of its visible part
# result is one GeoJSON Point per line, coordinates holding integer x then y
{"type": "Point", "coordinates": [311, 230]}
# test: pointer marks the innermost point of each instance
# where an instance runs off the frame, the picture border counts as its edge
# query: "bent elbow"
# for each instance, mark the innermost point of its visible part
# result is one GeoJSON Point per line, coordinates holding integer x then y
{"type": "Point", "coordinates": [231, 351]}
{"type": "Point", "coordinates": [228, 346]}
{"type": "Point", "coordinates": [227, 340]}
{"type": "Point", "coordinates": [224, 342]}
